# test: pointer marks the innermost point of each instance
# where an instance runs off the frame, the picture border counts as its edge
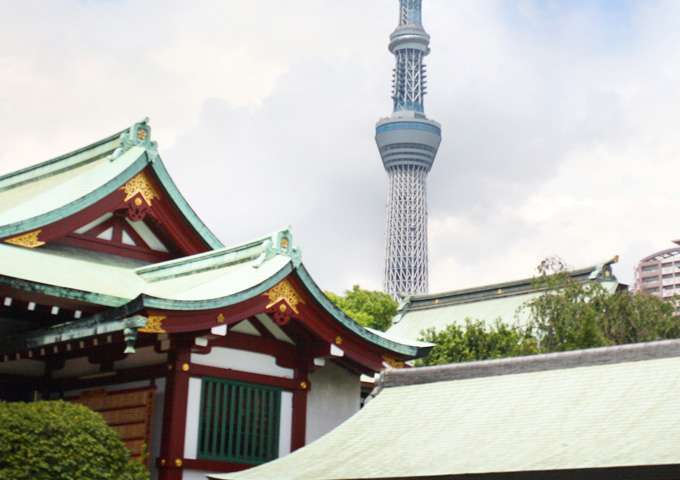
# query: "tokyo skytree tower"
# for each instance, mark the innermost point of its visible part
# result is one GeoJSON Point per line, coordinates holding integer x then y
{"type": "Point", "coordinates": [408, 143]}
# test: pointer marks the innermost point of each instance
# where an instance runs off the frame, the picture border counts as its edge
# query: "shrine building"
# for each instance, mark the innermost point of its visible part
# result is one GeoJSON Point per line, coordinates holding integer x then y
{"type": "Point", "coordinates": [114, 294]}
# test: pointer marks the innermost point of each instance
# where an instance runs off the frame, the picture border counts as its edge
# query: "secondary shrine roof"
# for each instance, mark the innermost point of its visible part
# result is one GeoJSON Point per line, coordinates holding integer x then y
{"type": "Point", "coordinates": [186, 279]}
{"type": "Point", "coordinates": [490, 302]}
{"type": "Point", "coordinates": [599, 410]}
{"type": "Point", "coordinates": [119, 189]}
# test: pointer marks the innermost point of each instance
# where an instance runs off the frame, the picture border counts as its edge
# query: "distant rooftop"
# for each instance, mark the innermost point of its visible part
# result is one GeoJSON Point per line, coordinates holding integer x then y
{"type": "Point", "coordinates": [488, 302]}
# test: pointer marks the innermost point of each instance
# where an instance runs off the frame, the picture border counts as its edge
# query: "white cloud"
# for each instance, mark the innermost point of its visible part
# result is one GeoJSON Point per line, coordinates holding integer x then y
{"type": "Point", "coordinates": [559, 121]}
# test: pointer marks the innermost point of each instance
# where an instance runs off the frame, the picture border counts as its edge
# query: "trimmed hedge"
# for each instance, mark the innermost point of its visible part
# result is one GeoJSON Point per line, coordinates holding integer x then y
{"type": "Point", "coordinates": [57, 440]}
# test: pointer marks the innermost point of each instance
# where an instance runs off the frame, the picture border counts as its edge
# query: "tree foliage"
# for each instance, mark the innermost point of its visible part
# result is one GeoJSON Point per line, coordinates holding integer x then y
{"type": "Point", "coordinates": [567, 315]}
{"type": "Point", "coordinates": [476, 341]}
{"type": "Point", "coordinates": [57, 440]}
{"type": "Point", "coordinates": [571, 315]}
{"type": "Point", "coordinates": [368, 308]}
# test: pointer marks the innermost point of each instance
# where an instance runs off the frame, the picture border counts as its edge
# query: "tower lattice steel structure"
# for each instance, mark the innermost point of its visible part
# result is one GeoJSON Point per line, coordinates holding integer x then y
{"type": "Point", "coordinates": [408, 143]}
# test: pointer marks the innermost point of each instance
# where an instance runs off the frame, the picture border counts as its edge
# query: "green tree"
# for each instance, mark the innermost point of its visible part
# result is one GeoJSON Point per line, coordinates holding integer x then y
{"type": "Point", "coordinates": [570, 315]}
{"type": "Point", "coordinates": [368, 308]}
{"type": "Point", "coordinates": [567, 315]}
{"type": "Point", "coordinates": [476, 341]}
{"type": "Point", "coordinates": [57, 440]}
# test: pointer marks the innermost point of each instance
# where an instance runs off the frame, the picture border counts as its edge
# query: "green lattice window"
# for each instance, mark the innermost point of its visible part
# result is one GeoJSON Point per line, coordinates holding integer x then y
{"type": "Point", "coordinates": [239, 422]}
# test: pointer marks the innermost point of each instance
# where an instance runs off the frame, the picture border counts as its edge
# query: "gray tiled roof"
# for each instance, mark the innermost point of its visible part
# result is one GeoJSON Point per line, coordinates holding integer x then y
{"type": "Point", "coordinates": [605, 408]}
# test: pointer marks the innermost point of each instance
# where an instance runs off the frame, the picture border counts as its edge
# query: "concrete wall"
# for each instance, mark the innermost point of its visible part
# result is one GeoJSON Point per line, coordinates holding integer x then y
{"type": "Point", "coordinates": [334, 396]}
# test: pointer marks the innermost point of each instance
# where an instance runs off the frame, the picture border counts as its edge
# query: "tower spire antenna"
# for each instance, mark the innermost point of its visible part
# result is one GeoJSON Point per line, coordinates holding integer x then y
{"type": "Point", "coordinates": [408, 142]}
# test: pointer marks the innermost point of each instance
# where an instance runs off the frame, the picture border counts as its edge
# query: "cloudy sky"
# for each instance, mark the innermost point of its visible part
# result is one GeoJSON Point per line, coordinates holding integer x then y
{"type": "Point", "coordinates": [560, 121]}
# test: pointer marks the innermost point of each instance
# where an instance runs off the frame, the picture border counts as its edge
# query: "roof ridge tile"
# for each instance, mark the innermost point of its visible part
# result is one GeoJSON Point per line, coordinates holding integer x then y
{"type": "Point", "coordinates": [532, 363]}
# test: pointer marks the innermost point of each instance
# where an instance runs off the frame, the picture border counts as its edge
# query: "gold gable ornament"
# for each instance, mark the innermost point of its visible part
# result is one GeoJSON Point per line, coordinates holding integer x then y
{"type": "Point", "coordinates": [391, 362]}
{"type": "Point", "coordinates": [283, 292]}
{"type": "Point", "coordinates": [154, 324]}
{"type": "Point", "coordinates": [140, 184]}
{"type": "Point", "coordinates": [28, 240]}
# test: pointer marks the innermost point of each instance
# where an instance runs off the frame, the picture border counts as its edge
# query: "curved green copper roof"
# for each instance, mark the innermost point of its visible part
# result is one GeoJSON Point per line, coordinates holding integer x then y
{"type": "Point", "coordinates": [205, 281]}
{"type": "Point", "coordinates": [57, 189]}
{"type": "Point", "coordinates": [179, 201]}
{"type": "Point", "coordinates": [81, 178]}
{"type": "Point", "coordinates": [220, 302]}
{"type": "Point", "coordinates": [28, 216]}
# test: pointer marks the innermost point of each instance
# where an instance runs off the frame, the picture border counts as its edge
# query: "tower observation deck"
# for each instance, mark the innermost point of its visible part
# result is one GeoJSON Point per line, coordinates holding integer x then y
{"type": "Point", "coordinates": [408, 142]}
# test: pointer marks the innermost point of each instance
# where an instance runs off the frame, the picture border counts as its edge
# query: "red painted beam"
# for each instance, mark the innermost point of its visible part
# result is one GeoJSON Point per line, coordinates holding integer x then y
{"type": "Point", "coordinates": [289, 384]}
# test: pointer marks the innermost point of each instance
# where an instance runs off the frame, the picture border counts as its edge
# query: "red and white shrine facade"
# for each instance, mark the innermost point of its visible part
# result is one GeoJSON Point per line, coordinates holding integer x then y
{"type": "Point", "coordinates": [206, 359]}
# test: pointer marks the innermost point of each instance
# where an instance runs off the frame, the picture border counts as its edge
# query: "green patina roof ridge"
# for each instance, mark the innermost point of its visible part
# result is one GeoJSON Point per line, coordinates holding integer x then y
{"type": "Point", "coordinates": [5, 180]}
{"type": "Point", "coordinates": [514, 287]}
{"type": "Point", "coordinates": [211, 260]}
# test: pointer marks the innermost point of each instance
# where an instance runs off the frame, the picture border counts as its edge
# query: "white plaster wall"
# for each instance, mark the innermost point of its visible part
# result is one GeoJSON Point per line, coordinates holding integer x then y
{"type": "Point", "coordinates": [77, 367]}
{"type": "Point", "coordinates": [335, 395]}
{"type": "Point", "coordinates": [286, 423]}
{"type": "Point", "coordinates": [143, 356]}
{"type": "Point", "coordinates": [244, 361]}
{"type": "Point", "coordinates": [193, 414]}
{"type": "Point", "coordinates": [81, 366]}
{"type": "Point", "coordinates": [30, 368]}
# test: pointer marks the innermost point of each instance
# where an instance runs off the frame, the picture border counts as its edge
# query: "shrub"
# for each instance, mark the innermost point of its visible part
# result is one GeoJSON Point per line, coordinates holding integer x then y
{"type": "Point", "coordinates": [57, 440]}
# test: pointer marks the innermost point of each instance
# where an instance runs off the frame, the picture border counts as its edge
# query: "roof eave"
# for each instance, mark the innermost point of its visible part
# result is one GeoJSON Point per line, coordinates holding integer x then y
{"type": "Point", "coordinates": [187, 212]}
{"type": "Point", "coordinates": [408, 351]}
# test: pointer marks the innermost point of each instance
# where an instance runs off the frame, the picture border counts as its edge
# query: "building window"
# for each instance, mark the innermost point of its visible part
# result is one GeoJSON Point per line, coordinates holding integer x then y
{"type": "Point", "coordinates": [239, 422]}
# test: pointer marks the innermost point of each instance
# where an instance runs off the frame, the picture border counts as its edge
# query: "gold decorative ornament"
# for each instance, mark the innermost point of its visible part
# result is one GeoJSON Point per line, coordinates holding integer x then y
{"type": "Point", "coordinates": [392, 362]}
{"type": "Point", "coordinates": [169, 366]}
{"type": "Point", "coordinates": [185, 367]}
{"type": "Point", "coordinates": [282, 307]}
{"type": "Point", "coordinates": [141, 134]}
{"type": "Point", "coordinates": [284, 291]}
{"type": "Point", "coordinates": [178, 462]}
{"type": "Point", "coordinates": [338, 340]}
{"type": "Point", "coordinates": [162, 462]}
{"type": "Point", "coordinates": [284, 243]}
{"type": "Point", "coordinates": [154, 324]}
{"type": "Point", "coordinates": [141, 185]}
{"type": "Point", "coordinates": [303, 385]}
{"type": "Point", "coordinates": [28, 240]}
{"type": "Point", "coordinates": [138, 201]}
{"type": "Point", "coordinates": [500, 290]}
{"type": "Point", "coordinates": [220, 318]}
